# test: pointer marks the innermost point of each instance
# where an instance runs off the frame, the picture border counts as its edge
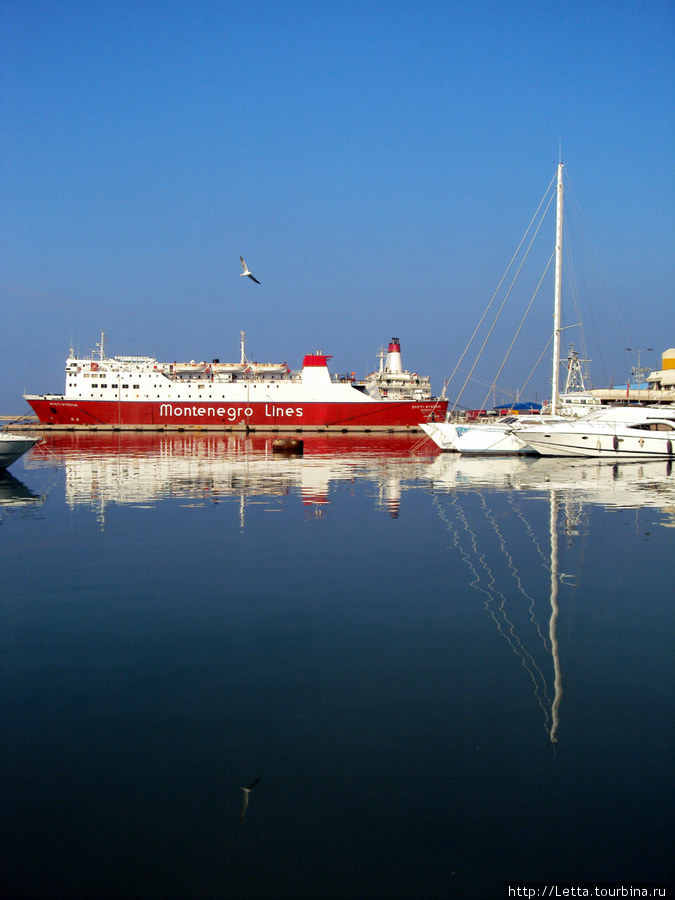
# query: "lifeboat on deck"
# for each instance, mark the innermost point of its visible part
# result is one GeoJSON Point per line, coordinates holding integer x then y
{"type": "Point", "coordinates": [268, 369]}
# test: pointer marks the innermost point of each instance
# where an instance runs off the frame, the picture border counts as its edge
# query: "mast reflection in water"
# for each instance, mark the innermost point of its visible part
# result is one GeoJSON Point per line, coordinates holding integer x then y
{"type": "Point", "coordinates": [441, 674]}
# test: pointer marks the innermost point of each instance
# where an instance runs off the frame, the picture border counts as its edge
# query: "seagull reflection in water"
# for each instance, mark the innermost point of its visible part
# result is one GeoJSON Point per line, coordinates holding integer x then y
{"type": "Point", "coordinates": [247, 791]}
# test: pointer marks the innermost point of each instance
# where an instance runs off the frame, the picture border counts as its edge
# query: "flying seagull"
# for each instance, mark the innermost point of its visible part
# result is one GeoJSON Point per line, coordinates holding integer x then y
{"type": "Point", "coordinates": [246, 272]}
{"type": "Point", "coordinates": [247, 790]}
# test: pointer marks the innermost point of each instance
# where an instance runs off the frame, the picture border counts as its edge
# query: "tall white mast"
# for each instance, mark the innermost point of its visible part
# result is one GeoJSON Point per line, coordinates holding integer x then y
{"type": "Point", "coordinates": [558, 293]}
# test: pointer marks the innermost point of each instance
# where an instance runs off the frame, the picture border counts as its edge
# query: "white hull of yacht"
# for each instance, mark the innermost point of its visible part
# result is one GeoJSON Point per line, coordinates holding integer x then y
{"type": "Point", "coordinates": [475, 439]}
{"type": "Point", "coordinates": [442, 433]}
{"type": "Point", "coordinates": [489, 440]}
{"type": "Point", "coordinates": [621, 433]}
{"type": "Point", "coordinates": [611, 444]}
{"type": "Point", "coordinates": [486, 438]}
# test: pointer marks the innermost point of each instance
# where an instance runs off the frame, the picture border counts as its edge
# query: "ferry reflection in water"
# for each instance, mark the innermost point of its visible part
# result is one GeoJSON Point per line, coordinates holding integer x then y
{"type": "Point", "coordinates": [148, 467]}
{"type": "Point", "coordinates": [447, 673]}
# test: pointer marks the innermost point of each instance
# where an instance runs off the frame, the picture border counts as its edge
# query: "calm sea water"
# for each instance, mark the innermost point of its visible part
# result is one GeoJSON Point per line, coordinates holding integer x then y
{"type": "Point", "coordinates": [446, 673]}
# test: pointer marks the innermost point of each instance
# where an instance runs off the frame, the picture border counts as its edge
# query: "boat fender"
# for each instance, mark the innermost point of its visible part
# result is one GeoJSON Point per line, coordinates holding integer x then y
{"type": "Point", "coordinates": [669, 447]}
{"type": "Point", "coordinates": [615, 442]}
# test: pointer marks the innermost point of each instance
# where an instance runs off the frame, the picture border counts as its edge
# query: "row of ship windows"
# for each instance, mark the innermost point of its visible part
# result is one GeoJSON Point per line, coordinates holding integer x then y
{"type": "Point", "coordinates": [135, 387]}
{"type": "Point", "coordinates": [159, 397]}
{"type": "Point", "coordinates": [87, 375]}
{"type": "Point", "coordinates": [173, 399]}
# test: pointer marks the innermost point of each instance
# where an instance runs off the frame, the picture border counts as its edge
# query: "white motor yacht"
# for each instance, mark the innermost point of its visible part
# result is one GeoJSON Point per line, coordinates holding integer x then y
{"type": "Point", "coordinates": [615, 432]}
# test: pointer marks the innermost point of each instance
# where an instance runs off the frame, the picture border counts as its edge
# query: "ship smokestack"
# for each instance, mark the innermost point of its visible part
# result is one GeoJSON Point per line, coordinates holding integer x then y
{"type": "Point", "coordinates": [393, 361]}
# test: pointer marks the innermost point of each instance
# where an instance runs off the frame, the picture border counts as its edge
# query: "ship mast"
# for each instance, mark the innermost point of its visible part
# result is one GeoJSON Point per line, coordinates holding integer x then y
{"type": "Point", "coordinates": [101, 347]}
{"type": "Point", "coordinates": [558, 293]}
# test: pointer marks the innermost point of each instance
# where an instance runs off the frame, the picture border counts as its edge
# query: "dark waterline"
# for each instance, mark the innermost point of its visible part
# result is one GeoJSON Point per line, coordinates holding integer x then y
{"type": "Point", "coordinates": [372, 630]}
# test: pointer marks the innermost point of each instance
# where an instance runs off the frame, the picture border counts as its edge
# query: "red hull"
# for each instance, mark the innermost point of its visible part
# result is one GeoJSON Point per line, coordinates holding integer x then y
{"type": "Point", "coordinates": [354, 416]}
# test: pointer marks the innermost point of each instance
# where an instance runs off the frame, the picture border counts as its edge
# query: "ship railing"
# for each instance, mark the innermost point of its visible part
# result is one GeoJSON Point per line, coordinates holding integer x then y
{"type": "Point", "coordinates": [229, 377]}
{"type": "Point", "coordinates": [343, 378]}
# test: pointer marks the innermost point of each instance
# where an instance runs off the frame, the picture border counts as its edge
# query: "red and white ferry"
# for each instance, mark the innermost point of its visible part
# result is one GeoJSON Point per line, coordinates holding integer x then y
{"type": "Point", "coordinates": [139, 391]}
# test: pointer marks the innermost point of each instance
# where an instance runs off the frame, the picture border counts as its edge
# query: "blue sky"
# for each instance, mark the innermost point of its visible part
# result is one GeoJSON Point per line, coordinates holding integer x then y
{"type": "Point", "coordinates": [376, 163]}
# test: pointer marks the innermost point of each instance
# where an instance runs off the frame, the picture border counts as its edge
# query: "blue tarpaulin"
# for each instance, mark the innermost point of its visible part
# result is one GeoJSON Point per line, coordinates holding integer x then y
{"type": "Point", "coordinates": [529, 406]}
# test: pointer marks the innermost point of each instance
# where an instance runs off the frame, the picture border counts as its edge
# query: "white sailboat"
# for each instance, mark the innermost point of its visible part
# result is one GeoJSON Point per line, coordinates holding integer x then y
{"type": "Point", "coordinates": [496, 436]}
